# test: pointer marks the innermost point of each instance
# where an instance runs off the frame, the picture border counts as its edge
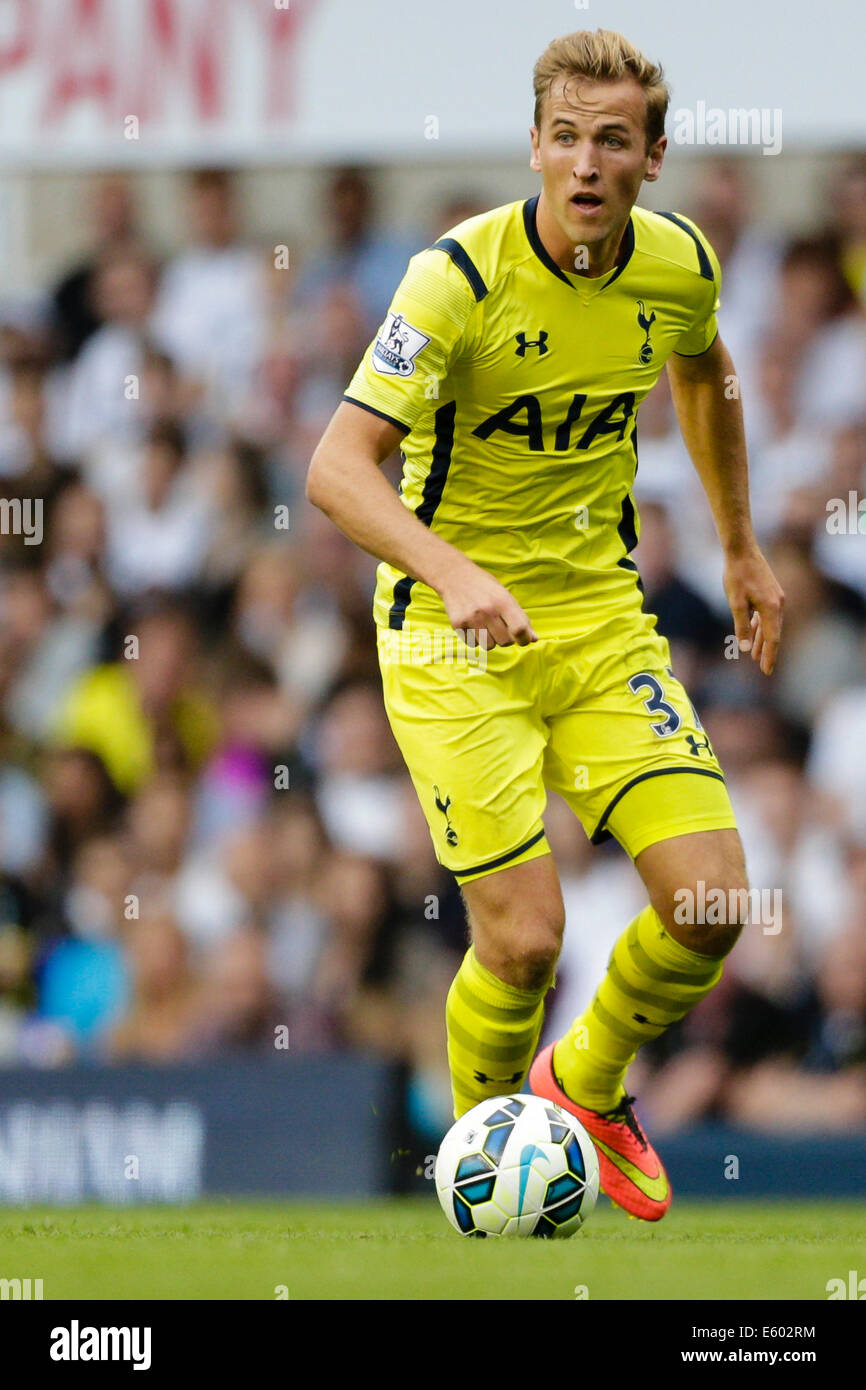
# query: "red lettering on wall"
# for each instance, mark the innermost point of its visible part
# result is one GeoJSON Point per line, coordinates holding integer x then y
{"type": "Point", "coordinates": [80, 61]}
{"type": "Point", "coordinates": [20, 47]}
{"type": "Point", "coordinates": [284, 28]}
{"type": "Point", "coordinates": [183, 50]}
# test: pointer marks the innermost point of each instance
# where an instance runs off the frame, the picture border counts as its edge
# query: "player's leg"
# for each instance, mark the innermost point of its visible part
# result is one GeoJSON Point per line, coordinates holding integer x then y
{"type": "Point", "coordinates": [649, 777]}
{"type": "Point", "coordinates": [495, 1006]}
{"type": "Point", "coordinates": [473, 741]}
{"type": "Point", "coordinates": [661, 966]}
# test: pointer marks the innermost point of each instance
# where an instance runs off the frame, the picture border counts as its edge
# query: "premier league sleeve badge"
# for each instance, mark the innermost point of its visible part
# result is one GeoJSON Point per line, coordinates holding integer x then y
{"type": "Point", "coordinates": [397, 346]}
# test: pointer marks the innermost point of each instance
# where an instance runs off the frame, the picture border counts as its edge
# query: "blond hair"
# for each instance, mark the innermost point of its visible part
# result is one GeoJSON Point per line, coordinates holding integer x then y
{"type": "Point", "coordinates": [603, 56]}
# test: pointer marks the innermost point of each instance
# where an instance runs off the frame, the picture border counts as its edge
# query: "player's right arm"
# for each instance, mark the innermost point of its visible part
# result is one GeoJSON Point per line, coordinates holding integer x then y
{"type": "Point", "coordinates": [345, 482]}
{"type": "Point", "coordinates": [430, 323]}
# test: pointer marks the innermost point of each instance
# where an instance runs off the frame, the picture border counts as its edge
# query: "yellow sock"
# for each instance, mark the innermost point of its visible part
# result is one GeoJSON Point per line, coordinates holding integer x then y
{"type": "Point", "coordinates": [493, 1031]}
{"type": "Point", "coordinates": [651, 981]}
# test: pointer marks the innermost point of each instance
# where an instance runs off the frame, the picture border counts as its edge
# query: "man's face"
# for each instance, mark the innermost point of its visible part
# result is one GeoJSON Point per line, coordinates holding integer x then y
{"type": "Point", "coordinates": [212, 215]}
{"type": "Point", "coordinates": [592, 155]}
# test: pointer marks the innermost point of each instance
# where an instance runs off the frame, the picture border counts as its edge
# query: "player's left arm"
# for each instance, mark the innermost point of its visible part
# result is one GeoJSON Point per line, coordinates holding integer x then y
{"type": "Point", "coordinates": [711, 420]}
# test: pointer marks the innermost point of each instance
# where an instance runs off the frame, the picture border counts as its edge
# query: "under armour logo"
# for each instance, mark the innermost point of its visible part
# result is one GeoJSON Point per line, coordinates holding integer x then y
{"type": "Point", "coordinates": [484, 1080]}
{"type": "Point", "coordinates": [523, 343]}
{"type": "Point", "coordinates": [697, 744]}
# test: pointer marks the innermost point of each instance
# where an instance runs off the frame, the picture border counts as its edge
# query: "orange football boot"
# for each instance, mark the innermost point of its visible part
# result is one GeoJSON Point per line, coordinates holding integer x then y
{"type": "Point", "coordinates": [630, 1169]}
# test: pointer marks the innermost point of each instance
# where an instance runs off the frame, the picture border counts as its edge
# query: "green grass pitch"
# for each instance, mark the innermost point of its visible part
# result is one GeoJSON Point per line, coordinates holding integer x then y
{"type": "Point", "coordinates": [403, 1249]}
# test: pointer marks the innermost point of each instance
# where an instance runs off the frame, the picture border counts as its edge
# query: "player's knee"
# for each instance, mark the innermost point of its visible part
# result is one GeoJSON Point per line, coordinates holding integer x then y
{"type": "Point", "coordinates": [709, 916]}
{"type": "Point", "coordinates": [532, 948]}
{"type": "Point", "coordinates": [532, 965]}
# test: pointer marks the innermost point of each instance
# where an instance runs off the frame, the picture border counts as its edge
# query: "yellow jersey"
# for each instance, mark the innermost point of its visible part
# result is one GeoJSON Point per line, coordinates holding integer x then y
{"type": "Point", "coordinates": [518, 386]}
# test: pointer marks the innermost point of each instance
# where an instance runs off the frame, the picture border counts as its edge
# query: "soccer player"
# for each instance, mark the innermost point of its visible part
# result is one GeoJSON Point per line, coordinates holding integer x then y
{"type": "Point", "coordinates": [509, 371]}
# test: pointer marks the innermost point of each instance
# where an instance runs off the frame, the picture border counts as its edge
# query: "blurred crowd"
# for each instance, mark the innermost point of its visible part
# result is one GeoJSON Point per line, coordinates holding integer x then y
{"type": "Point", "coordinates": [207, 836]}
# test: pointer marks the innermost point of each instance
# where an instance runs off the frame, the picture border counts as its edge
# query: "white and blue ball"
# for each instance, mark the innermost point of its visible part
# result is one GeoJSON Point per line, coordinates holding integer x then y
{"type": "Point", "coordinates": [517, 1166]}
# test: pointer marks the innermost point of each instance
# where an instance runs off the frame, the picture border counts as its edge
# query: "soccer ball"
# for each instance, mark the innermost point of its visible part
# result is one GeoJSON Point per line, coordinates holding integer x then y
{"type": "Point", "coordinates": [517, 1166]}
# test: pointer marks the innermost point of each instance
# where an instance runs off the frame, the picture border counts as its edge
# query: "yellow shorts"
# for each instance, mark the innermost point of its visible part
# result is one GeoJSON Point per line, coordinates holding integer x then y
{"type": "Point", "coordinates": [601, 720]}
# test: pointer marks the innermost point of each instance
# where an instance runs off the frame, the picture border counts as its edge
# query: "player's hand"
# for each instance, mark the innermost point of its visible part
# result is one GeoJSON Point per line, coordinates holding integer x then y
{"type": "Point", "coordinates": [756, 600]}
{"type": "Point", "coordinates": [475, 601]}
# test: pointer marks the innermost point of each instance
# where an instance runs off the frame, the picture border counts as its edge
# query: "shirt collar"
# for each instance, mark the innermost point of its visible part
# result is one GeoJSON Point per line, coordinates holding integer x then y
{"type": "Point", "coordinates": [530, 209]}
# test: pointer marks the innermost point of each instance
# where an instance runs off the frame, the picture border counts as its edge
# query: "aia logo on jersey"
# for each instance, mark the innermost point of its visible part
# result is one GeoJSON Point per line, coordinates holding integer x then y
{"type": "Point", "coordinates": [646, 351]}
{"type": "Point", "coordinates": [397, 346]}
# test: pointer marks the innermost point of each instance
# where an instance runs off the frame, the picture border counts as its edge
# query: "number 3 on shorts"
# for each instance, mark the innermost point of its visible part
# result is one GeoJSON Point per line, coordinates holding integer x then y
{"type": "Point", "coordinates": [655, 703]}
